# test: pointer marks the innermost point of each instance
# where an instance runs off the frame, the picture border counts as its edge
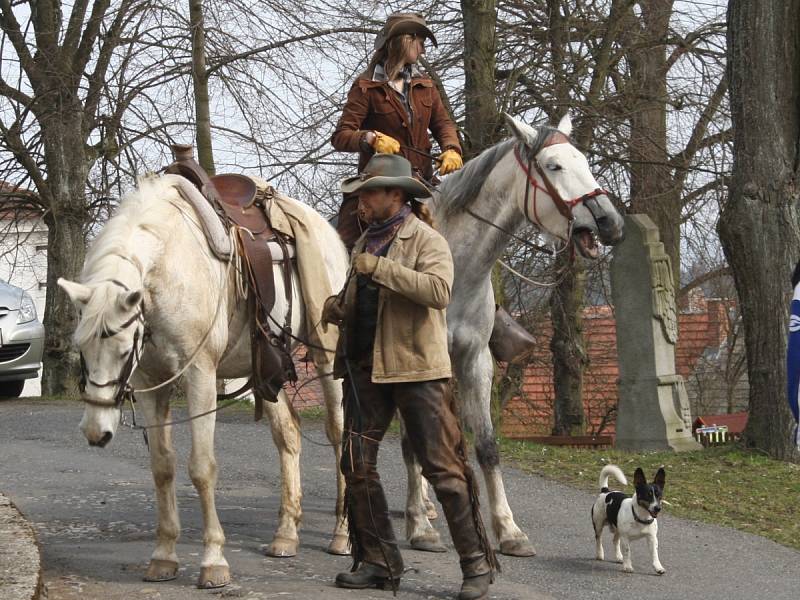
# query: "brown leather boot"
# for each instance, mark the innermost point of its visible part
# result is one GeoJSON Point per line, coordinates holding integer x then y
{"type": "Point", "coordinates": [475, 588]}
{"type": "Point", "coordinates": [368, 575]}
{"type": "Point", "coordinates": [477, 577]}
{"type": "Point", "coordinates": [374, 546]}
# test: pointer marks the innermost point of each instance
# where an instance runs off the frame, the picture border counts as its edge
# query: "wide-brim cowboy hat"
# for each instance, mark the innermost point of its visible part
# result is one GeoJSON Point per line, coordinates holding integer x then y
{"type": "Point", "coordinates": [387, 171]}
{"type": "Point", "coordinates": [403, 22]}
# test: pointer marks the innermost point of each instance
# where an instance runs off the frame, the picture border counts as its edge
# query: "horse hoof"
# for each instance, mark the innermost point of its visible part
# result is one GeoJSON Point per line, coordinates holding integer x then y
{"type": "Point", "coordinates": [428, 543]}
{"type": "Point", "coordinates": [281, 548]}
{"type": "Point", "coordinates": [215, 576]}
{"type": "Point", "coordinates": [340, 545]}
{"type": "Point", "coordinates": [161, 570]}
{"type": "Point", "coordinates": [517, 547]}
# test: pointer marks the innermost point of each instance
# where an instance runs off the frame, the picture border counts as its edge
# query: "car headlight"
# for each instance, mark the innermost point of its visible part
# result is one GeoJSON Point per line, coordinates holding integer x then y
{"type": "Point", "coordinates": [27, 310]}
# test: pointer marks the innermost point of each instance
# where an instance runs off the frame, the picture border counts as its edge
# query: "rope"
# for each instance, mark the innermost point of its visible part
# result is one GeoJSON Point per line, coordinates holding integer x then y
{"type": "Point", "coordinates": [555, 283]}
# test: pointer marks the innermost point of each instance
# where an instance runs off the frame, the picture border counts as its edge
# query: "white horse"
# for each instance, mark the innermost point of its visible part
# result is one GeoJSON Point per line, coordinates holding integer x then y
{"type": "Point", "coordinates": [478, 210]}
{"type": "Point", "coordinates": [150, 281]}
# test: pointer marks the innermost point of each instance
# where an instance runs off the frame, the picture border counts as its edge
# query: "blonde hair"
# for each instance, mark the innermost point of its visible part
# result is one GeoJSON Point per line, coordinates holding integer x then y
{"type": "Point", "coordinates": [392, 56]}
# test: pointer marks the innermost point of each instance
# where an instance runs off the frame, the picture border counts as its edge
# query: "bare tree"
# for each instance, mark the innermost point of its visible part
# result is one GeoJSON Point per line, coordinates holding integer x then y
{"type": "Point", "coordinates": [62, 112]}
{"type": "Point", "coordinates": [205, 151]}
{"type": "Point", "coordinates": [759, 226]}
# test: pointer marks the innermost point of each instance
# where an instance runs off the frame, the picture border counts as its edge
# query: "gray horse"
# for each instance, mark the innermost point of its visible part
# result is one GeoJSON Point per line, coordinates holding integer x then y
{"type": "Point", "coordinates": [538, 176]}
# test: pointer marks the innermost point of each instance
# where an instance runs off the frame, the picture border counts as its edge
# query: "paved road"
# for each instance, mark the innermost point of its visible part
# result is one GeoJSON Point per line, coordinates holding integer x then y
{"type": "Point", "coordinates": [94, 513]}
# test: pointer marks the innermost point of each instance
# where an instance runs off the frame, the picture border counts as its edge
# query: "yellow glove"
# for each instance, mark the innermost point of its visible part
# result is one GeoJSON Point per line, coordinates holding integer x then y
{"type": "Point", "coordinates": [365, 263]}
{"type": "Point", "coordinates": [385, 144]}
{"type": "Point", "coordinates": [449, 161]}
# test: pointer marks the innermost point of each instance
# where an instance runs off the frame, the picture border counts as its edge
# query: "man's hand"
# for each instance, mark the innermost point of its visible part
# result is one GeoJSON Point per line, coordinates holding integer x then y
{"type": "Point", "coordinates": [333, 311]}
{"type": "Point", "coordinates": [449, 161]}
{"type": "Point", "coordinates": [385, 144]}
{"type": "Point", "coordinates": [365, 263]}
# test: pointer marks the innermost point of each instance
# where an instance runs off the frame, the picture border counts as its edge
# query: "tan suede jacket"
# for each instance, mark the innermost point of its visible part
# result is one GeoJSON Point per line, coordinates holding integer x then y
{"type": "Point", "coordinates": [416, 277]}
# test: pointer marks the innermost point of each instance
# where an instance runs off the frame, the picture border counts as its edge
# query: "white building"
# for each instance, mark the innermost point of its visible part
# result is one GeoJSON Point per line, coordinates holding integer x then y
{"type": "Point", "coordinates": [23, 252]}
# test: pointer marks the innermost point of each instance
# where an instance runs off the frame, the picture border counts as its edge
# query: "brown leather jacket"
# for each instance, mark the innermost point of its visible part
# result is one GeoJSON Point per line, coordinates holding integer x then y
{"type": "Point", "coordinates": [374, 105]}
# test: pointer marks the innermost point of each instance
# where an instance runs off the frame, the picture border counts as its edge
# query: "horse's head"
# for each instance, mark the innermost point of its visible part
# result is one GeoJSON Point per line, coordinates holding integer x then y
{"type": "Point", "coordinates": [561, 195]}
{"type": "Point", "coordinates": [108, 336]}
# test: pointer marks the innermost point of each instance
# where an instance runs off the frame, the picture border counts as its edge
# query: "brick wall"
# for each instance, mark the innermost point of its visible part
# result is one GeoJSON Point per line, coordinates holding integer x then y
{"type": "Point", "coordinates": [705, 326]}
{"type": "Point", "coordinates": [702, 327]}
{"type": "Point", "coordinates": [305, 393]}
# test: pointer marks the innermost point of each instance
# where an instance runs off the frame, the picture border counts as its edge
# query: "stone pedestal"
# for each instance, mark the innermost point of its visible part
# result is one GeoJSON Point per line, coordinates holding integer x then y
{"type": "Point", "coordinates": [653, 411]}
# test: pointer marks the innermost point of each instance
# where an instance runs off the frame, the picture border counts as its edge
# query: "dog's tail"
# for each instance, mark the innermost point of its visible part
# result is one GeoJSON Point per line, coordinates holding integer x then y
{"type": "Point", "coordinates": [616, 472]}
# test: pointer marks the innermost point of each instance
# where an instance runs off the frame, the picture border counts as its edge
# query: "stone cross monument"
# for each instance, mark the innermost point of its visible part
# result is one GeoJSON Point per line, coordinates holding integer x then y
{"type": "Point", "coordinates": [653, 411]}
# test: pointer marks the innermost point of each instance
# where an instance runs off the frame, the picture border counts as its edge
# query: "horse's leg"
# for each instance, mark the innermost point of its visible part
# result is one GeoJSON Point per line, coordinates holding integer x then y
{"type": "Point", "coordinates": [285, 429]}
{"type": "Point", "coordinates": [419, 531]}
{"type": "Point", "coordinates": [430, 506]}
{"type": "Point", "coordinates": [334, 420]}
{"type": "Point", "coordinates": [201, 392]}
{"type": "Point", "coordinates": [474, 371]}
{"type": "Point", "coordinates": [164, 560]}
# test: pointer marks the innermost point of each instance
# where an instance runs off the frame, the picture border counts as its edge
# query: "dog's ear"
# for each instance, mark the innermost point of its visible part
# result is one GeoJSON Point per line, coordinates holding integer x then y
{"type": "Point", "coordinates": [661, 475]}
{"type": "Point", "coordinates": [639, 479]}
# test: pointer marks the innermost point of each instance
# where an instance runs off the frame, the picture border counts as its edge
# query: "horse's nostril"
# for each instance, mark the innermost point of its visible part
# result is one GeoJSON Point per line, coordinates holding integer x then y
{"type": "Point", "coordinates": [101, 443]}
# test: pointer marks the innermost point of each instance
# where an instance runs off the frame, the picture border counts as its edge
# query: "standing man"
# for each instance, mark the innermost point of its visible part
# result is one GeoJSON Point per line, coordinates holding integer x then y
{"type": "Point", "coordinates": [393, 355]}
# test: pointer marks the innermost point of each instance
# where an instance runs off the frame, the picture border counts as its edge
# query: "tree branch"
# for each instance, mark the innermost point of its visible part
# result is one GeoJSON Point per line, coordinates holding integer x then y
{"type": "Point", "coordinates": [301, 38]}
{"type": "Point", "coordinates": [11, 27]}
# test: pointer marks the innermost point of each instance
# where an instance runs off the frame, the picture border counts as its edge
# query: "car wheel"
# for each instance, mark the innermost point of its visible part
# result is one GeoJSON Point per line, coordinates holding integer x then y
{"type": "Point", "coordinates": [11, 389]}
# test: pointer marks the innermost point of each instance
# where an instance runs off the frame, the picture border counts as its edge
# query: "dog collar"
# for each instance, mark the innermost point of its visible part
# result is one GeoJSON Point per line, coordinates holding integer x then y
{"type": "Point", "coordinates": [638, 520]}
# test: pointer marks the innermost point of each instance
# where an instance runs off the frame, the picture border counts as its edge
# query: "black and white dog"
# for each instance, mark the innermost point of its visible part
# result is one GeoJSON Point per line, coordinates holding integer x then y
{"type": "Point", "coordinates": [629, 518]}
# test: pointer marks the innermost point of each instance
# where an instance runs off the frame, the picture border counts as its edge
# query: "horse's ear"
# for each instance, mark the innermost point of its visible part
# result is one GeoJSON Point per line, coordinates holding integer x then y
{"type": "Point", "coordinates": [130, 300]}
{"type": "Point", "coordinates": [522, 131]}
{"type": "Point", "coordinates": [565, 125]}
{"type": "Point", "coordinates": [77, 292]}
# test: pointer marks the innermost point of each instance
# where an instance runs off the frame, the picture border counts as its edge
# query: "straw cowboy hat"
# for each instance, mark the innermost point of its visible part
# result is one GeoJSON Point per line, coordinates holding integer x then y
{"type": "Point", "coordinates": [387, 171]}
{"type": "Point", "coordinates": [403, 22]}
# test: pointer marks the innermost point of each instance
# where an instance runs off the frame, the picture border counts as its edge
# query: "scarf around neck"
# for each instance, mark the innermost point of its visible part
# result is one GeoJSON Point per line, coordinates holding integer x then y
{"type": "Point", "coordinates": [380, 235]}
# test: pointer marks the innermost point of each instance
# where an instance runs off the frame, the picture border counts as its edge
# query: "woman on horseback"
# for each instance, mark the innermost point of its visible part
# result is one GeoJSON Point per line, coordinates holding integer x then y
{"type": "Point", "coordinates": [391, 108]}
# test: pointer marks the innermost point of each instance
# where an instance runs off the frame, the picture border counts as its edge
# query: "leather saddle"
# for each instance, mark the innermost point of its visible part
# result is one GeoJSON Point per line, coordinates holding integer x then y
{"type": "Point", "coordinates": [238, 202]}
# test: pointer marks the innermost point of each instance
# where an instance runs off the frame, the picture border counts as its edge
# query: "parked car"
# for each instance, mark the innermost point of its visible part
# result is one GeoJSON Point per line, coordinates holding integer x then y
{"type": "Point", "coordinates": [21, 340]}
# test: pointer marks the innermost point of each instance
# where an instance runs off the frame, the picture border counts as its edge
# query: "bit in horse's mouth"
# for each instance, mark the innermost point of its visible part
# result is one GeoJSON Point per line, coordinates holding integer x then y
{"type": "Point", "coordinates": [586, 240]}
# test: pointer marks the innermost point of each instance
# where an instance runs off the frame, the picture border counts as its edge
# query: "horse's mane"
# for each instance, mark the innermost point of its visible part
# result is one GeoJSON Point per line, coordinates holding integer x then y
{"type": "Point", "coordinates": [144, 208]}
{"type": "Point", "coordinates": [147, 208]}
{"type": "Point", "coordinates": [461, 188]}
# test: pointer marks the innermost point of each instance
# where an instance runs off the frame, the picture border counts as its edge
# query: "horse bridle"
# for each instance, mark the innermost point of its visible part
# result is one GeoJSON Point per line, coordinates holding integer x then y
{"type": "Point", "coordinates": [563, 206]}
{"type": "Point", "coordinates": [124, 389]}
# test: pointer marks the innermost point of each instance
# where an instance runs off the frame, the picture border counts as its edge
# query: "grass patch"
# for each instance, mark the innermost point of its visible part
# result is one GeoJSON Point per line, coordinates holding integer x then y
{"type": "Point", "coordinates": [312, 413]}
{"type": "Point", "coordinates": [725, 485]}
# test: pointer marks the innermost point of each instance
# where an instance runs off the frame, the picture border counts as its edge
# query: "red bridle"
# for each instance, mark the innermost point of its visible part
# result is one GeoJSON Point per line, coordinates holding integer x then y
{"type": "Point", "coordinates": [564, 206]}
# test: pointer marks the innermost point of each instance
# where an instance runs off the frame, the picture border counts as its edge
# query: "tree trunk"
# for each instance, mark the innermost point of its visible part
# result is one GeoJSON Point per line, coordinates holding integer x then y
{"type": "Point", "coordinates": [567, 299]}
{"type": "Point", "coordinates": [759, 226]}
{"type": "Point", "coordinates": [481, 118]}
{"type": "Point", "coordinates": [205, 152]}
{"type": "Point", "coordinates": [66, 186]}
{"type": "Point", "coordinates": [567, 345]}
{"type": "Point", "coordinates": [652, 188]}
